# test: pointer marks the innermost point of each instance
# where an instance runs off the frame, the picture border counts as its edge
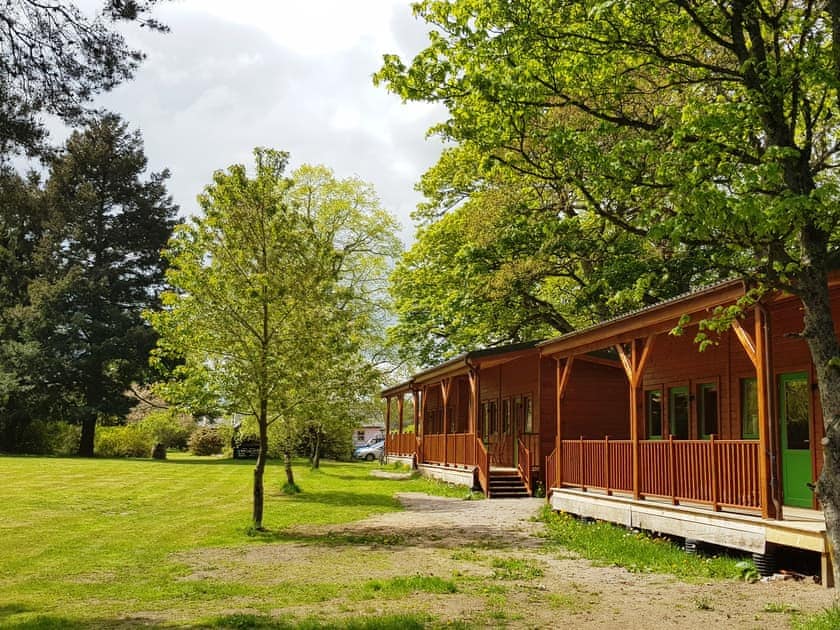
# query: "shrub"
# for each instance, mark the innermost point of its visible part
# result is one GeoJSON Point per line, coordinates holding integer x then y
{"type": "Point", "coordinates": [168, 428]}
{"type": "Point", "coordinates": [64, 438]}
{"type": "Point", "coordinates": [206, 441]}
{"type": "Point", "coordinates": [124, 441]}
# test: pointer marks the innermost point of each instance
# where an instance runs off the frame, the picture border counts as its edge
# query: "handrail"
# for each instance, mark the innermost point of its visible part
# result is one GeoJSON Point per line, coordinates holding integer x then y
{"type": "Point", "coordinates": [524, 465]}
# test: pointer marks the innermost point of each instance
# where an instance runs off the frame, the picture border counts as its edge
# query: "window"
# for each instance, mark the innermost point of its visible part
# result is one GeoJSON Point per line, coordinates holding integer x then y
{"type": "Point", "coordinates": [749, 409]}
{"type": "Point", "coordinates": [653, 413]}
{"type": "Point", "coordinates": [679, 412]}
{"type": "Point", "coordinates": [506, 416]}
{"type": "Point", "coordinates": [360, 436]}
{"type": "Point", "coordinates": [529, 415]}
{"type": "Point", "coordinates": [707, 409]}
{"type": "Point", "coordinates": [488, 408]}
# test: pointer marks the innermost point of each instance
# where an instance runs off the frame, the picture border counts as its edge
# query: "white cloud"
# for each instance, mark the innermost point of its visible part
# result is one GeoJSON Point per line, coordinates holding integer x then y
{"type": "Point", "coordinates": [288, 75]}
{"type": "Point", "coordinates": [319, 28]}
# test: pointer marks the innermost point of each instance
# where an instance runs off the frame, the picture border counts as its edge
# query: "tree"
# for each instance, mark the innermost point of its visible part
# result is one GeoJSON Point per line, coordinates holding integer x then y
{"type": "Point", "coordinates": [100, 269]}
{"type": "Point", "coordinates": [22, 400]}
{"type": "Point", "coordinates": [270, 291]}
{"type": "Point", "coordinates": [54, 58]}
{"type": "Point", "coordinates": [493, 264]}
{"type": "Point", "coordinates": [708, 124]}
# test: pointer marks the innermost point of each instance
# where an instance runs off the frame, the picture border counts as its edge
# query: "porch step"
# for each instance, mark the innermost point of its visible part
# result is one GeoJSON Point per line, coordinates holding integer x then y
{"type": "Point", "coordinates": [506, 485]}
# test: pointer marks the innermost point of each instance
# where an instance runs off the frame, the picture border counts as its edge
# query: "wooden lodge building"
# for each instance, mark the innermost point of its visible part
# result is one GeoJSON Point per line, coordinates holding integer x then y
{"type": "Point", "coordinates": [626, 422]}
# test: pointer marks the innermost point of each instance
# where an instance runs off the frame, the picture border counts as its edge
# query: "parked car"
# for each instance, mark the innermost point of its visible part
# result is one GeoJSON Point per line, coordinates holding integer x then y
{"type": "Point", "coordinates": [370, 452]}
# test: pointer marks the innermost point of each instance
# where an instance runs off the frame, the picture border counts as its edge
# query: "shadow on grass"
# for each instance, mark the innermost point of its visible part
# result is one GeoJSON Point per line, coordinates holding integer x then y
{"type": "Point", "coordinates": [222, 461]}
{"type": "Point", "coordinates": [330, 539]}
{"type": "Point", "coordinates": [7, 610]}
{"type": "Point", "coordinates": [263, 622]}
{"type": "Point", "coordinates": [344, 499]}
{"type": "Point", "coordinates": [56, 622]}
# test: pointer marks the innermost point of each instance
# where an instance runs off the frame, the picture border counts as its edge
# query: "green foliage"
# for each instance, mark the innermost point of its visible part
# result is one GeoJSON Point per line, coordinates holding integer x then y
{"type": "Point", "coordinates": [54, 58]}
{"type": "Point", "coordinates": [515, 569]}
{"type": "Point", "coordinates": [206, 441]}
{"type": "Point", "coordinates": [87, 263]}
{"type": "Point", "coordinates": [123, 441]}
{"type": "Point", "coordinates": [274, 304]}
{"type": "Point", "coordinates": [829, 619]}
{"type": "Point", "coordinates": [291, 488]}
{"type": "Point", "coordinates": [748, 570]}
{"type": "Point", "coordinates": [169, 428]}
{"type": "Point", "coordinates": [402, 586]}
{"type": "Point", "coordinates": [638, 552]}
{"type": "Point", "coordinates": [777, 607]}
{"type": "Point", "coordinates": [496, 265]}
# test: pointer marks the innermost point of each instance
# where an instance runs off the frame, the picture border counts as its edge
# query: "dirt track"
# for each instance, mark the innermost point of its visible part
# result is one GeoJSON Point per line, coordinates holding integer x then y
{"type": "Point", "coordinates": [572, 590]}
{"type": "Point", "coordinates": [465, 543]}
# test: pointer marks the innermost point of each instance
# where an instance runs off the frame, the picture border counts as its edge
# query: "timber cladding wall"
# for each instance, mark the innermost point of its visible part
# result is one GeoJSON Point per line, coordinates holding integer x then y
{"type": "Point", "coordinates": [597, 403]}
{"type": "Point", "coordinates": [510, 379]}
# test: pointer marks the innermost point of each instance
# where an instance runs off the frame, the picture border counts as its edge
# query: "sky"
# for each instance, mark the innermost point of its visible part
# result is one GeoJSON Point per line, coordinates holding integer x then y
{"type": "Point", "coordinates": [284, 74]}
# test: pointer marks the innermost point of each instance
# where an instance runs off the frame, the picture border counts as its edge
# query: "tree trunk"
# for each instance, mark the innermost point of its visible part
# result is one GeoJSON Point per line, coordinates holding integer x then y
{"type": "Point", "coordinates": [88, 434]}
{"type": "Point", "coordinates": [316, 451]}
{"type": "Point", "coordinates": [287, 461]}
{"type": "Point", "coordinates": [825, 352]}
{"type": "Point", "coordinates": [259, 469]}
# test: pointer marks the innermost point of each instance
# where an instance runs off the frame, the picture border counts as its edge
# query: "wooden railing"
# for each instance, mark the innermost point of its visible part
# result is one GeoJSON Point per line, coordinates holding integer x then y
{"type": "Point", "coordinates": [524, 465]}
{"type": "Point", "coordinates": [452, 449]}
{"type": "Point", "coordinates": [722, 473]}
{"type": "Point", "coordinates": [401, 444]}
{"type": "Point", "coordinates": [551, 472]}
{"type": "Point", "coordinates": [482, 462]}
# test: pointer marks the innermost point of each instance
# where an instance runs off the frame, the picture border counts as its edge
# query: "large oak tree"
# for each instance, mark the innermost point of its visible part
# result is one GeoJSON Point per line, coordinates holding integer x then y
{"type": "Point", "coordinates": [710, 124]}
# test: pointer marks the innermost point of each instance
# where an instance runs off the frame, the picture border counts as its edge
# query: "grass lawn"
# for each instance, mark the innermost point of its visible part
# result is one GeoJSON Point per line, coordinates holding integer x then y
{"type": "Point", "coordinates": [128, 543]}
{"type": "Point", "coordinates": [87, 542]}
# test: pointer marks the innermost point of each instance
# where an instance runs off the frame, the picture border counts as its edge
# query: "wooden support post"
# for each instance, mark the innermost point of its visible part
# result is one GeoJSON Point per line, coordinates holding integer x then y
{"type": "Point", "coordinates": [424, 400]}
{"type": "Point", "coordinates": [445, 386]}
{"type": "Point", "coordinates": [757, 350]}
{"type": "Point", "coordinates": [763, 377]}
{"type": "Point", "coordinates": [400, 406]}
{"type": "Point", "coordinates": [826, 571]}
{"type": "Point", "coordinates": [634, 367]}
{"type": "Point", "coordinates": [415, 396]}
{"type": "Point", "coordinates": [563, 375]}
{"type": "Point", "coordinates": [474, 411]}
{"type": "Point", "coordinates": [387, 418]}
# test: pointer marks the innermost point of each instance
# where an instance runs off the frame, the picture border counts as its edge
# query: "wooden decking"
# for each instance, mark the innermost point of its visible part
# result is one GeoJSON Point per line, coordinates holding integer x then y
{"type": "Point", "coordinates": [800, 528]}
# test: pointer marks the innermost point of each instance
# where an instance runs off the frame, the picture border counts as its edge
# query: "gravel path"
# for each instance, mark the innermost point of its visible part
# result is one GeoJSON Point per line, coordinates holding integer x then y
{"type": "Point", "coordinates": [456, 522]}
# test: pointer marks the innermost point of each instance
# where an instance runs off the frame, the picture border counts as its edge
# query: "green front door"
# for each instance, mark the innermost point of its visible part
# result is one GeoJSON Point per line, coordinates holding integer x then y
{"type": "Point", "coordinates": [795, 425]}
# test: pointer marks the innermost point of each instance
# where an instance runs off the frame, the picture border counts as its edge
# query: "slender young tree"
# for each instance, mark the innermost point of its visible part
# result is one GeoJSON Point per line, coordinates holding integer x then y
{"type": "Point", "coordinates": [261, 302]}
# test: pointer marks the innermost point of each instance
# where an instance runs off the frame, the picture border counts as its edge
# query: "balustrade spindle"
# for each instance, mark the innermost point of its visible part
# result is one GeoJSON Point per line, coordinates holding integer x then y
{"type": "Point", "coordinates": [672, 470]}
